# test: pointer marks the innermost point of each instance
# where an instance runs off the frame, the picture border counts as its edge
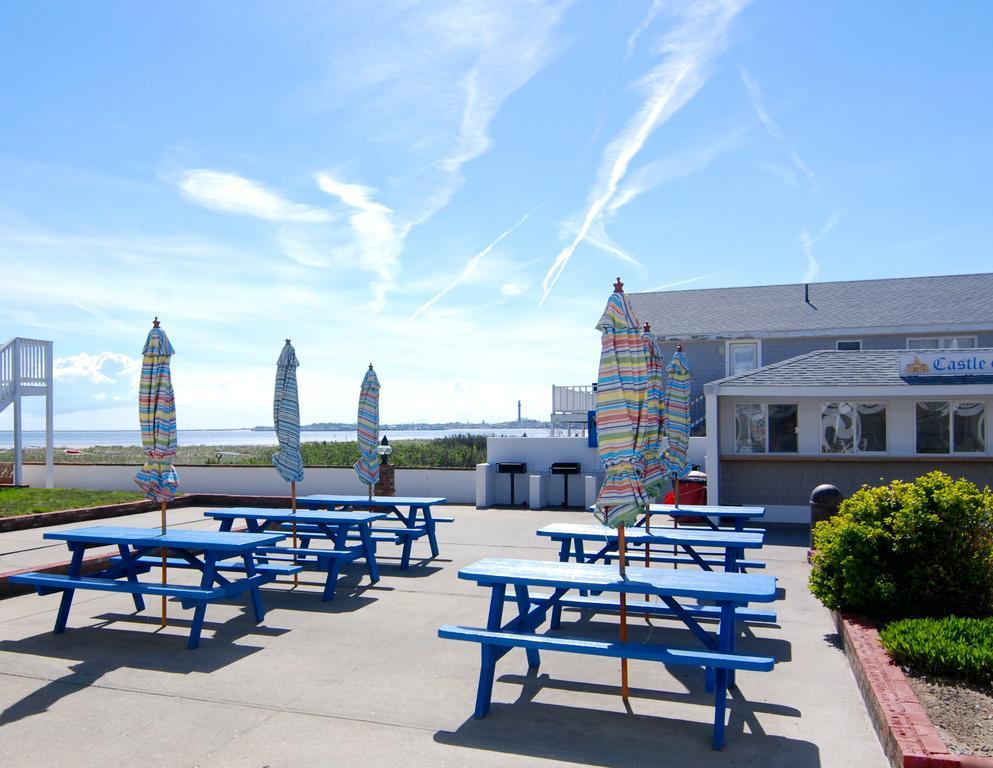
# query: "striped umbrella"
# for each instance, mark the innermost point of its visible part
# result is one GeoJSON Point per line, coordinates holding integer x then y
{"type": "Point", "coordinates": [650, 432]}
{"type": "Point", "coordinates": [367, 466]}
{"type": "Point", "coordinates": [621, 388]}
{"type": "Point", "coordinates": [286, 420]}
{"type": "Point", "coordinates": [677, 417]}
{"type": "Point", "coordinates": [157, 417]}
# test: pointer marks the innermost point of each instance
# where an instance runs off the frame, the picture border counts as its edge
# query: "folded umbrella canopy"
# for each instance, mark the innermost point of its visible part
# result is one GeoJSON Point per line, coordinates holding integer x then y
{"type": "Point", "coordinates": [286, 418]}
{"type": "Point", "coordinates": [621, 388]}
{"type": "Point", "coordinates": [367, 467]}
{"type": "Point", "coordinates": [651, 421]}
{"type": "Point", "coordinates": [286, 421]}
{"type": "Point", "coordinates": [677, 418]}
{"type": "Point", "coordinates": [157, 417]}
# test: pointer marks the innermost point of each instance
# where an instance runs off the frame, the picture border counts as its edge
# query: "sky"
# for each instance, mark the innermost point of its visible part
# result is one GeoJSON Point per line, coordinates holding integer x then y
{"type": "Point", "coordinates": [449, 189]}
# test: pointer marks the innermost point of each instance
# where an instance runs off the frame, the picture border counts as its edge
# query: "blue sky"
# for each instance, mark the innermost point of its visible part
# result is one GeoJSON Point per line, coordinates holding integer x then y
{"type": "Point", "coordinates": [448, 190]}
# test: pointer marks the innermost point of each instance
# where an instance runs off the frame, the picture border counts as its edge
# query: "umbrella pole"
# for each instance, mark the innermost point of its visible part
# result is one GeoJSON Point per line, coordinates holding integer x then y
{"type": "Point", "coordinates": [162, 514]}
{"type": "Point", "coordinates": [621, 559]}
{"type": "Point", "coordinates": [293, 510]}
{"type": "Point", "coordinates": [675, 493]}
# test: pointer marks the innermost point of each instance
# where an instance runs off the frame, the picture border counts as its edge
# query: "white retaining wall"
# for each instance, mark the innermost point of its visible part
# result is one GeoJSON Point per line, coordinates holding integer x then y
{"type": "Point", "coordinates": [455, 485]}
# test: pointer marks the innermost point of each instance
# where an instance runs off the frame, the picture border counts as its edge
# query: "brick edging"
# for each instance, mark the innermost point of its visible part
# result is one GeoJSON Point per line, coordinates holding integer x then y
{"type": "Point", "coordinates": [906, 733]}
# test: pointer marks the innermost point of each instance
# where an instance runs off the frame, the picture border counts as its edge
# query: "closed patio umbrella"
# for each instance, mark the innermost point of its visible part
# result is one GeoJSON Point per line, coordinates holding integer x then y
{"type": "Point", "coordinates": [650, 428]}
{"type": "Point", "coordinates": [286, 420]}
{"type": "Point", "coordinates": [157, 418]}
{"type": "Point", "coordinates": [367, 426]}
{"type": "Point", "coordinates": [622, 384]}
{"type": "Point", "coordinates": [677, 418]}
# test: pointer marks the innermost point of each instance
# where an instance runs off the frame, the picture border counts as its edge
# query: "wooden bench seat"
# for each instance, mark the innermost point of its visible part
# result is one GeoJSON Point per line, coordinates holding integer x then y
{"type": "Point", "coordinates": [148, 562]}
{"type": "Point", "coordinates": [47, 583]}
{"type": "Point", "coordinates": [637, 557]}
{"type": "Point", "coordinates": [650, 608]}
{"type": "Point", "coordinates": [617, 650]}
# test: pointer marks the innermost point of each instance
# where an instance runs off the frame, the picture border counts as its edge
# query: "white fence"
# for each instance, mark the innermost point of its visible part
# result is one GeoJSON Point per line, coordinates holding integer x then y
{"type": "Point", "coordinates": [458, 486]}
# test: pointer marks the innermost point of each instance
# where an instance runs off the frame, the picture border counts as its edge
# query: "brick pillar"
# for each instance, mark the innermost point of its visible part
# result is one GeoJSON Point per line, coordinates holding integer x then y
{"type": "Point", "coordinates": [387, 481]}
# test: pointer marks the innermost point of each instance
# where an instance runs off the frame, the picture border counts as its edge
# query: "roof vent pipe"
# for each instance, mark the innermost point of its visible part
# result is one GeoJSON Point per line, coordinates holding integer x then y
{"type": "Point", "coordinates": [806, 293]}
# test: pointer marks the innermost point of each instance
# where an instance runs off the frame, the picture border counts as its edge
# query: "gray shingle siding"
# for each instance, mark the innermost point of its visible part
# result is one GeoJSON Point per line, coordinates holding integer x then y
{"type": "Point", "coordinates": [952, 303]}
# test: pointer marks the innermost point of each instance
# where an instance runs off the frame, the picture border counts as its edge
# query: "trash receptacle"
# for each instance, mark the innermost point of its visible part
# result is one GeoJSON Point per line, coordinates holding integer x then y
{"type": "Point", "coordinates": [824, 502]}
{"type": "Point", "coordinates": [692, 491]}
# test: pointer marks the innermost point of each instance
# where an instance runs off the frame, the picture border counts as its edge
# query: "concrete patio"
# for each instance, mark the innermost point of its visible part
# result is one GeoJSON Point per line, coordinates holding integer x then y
{"type": "Point", "coordinates": [365, 681]}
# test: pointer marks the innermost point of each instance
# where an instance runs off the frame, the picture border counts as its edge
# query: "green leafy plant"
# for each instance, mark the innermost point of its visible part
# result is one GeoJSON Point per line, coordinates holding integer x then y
{"type": "Point", "coordinates": [954, 646]}
{"type": "Point", "coordinates": [908, 549]}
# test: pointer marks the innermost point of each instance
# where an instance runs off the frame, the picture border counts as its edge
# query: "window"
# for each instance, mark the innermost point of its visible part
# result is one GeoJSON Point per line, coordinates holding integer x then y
{"type": "Point", "coordinates": [942, 342]}
{"type": "Point", "coordinates": [762, 428]}
{"type": "Point", "coordinates": [946, 427]}
{"type": "Point", "coordinates": [853, 427]}
{"type": "Point", "coordinates": [742, 357]}
{"type": "Point", "coordinates": [855, 344]}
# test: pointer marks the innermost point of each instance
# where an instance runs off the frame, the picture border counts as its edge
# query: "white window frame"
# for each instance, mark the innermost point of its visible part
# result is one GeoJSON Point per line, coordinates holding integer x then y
{"type": "Point", "coordinates": [728, 357]}
{"type": "Point", "coordinates": [939, 341]}
{"type": "Point", "coordinates": [951, 426]}
{"type": "Point", "coordinates": [856, 451]}
{"type": "Point", "coordinates": [848, 341]}
{"type": "Point", "coordinates": [768, 441]}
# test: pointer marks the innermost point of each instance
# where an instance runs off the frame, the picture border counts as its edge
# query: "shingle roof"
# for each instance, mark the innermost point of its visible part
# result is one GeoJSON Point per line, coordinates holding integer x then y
{"type": "Point", "coordinates": [945, 301]}
{"type": "Point", "coordinates": [852, 368]}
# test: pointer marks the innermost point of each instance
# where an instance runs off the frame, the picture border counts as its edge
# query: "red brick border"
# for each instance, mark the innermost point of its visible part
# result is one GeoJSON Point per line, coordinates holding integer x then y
{"type": "Point", "coordinates": [908, 737]}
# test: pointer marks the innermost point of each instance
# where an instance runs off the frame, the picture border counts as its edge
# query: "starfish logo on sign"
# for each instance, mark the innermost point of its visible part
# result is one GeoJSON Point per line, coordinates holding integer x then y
{"type": "Point", "coordinates": [917, 366]}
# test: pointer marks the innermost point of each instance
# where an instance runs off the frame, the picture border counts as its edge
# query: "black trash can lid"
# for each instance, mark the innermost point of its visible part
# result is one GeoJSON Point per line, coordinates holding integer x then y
{"type": "Point", "coordinates": [826, 494]}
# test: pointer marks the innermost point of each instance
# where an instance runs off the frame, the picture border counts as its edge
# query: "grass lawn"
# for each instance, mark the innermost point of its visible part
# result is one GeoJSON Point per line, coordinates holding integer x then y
{"type": "Point", "coordinates": [26, 501]}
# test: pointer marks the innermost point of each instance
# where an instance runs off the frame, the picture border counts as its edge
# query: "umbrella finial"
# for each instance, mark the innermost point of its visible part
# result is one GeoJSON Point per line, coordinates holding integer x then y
{"type": "Point", "coordinates": [155, 322]}
{"type": "Point", "coordinates": [647, 328]}
{"type": "Point", "coordinates": [287, 341]}
{"type": "Point", "coordinates": [679, 347]}
{"type": "Point", "coordinates": [618, 286]}
{"type": "Point", "coordinates": [370, 366]}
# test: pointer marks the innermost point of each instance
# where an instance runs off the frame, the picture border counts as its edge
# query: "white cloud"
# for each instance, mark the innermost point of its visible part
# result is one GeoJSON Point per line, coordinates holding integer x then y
{"type": "Point", "coordinates": [470, 267]}
{"type": "Point", "coordinates": [101, 368]}
{"type": "Point", "coordinates": [773, 129]}
{"type": "Point", "coordinates": [807, 242]}
{"type": "Point", "coordinates": [378, 241]}
{"type": "Point", "coordinates": [511, 289]}
{"type": "Point", "coordinates": [231, 193]}
{"type": "Point", "coordinates": [687, 50]}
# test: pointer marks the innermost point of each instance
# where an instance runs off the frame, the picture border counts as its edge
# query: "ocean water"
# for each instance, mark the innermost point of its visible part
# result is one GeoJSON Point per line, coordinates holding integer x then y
{"type": "Point", "coordinates": [87, 439]}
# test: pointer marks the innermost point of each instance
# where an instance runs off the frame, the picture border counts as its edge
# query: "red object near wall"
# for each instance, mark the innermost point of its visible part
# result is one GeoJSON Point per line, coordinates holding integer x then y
{"type": "Point", "coordinates": [692, 492]}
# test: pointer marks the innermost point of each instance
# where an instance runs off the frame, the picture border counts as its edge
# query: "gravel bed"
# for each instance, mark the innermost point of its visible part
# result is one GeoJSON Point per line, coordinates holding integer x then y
{"type": "Point", "coordinates": [963, 714]}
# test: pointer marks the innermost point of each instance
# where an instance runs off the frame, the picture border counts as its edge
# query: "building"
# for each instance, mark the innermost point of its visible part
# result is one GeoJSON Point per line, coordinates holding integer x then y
{"type": "Point", "coordinates": [730, 331]}
{"type": "Point", "coordinates": [848, 417]}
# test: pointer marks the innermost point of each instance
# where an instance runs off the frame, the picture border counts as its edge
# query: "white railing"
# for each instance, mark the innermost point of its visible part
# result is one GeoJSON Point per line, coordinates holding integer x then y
{"type": "Point", "coordinates": [572, 399]}
{"type": "Point", "coordinates": [26, 368]}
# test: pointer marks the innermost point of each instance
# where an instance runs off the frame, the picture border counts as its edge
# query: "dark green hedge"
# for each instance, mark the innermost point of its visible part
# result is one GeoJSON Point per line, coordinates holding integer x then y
{"type": "Point", "coordinates": [908, 549]}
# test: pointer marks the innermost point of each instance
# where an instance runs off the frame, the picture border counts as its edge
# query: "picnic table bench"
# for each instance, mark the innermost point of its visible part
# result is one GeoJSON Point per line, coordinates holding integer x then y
{"type": "Point", "coordinates": [209, 552]}
{"type": "Point", "coordinates": [717, 654]}
{"type": "Point", "coordinates": [418, 521]}
{"type": "Point", "coordinates": [573, 538]}
{"type": "Point", "coordinates": [337, 527]}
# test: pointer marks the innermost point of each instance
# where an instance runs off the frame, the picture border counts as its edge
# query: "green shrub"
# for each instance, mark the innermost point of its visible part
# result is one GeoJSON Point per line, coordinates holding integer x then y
{"type": "Point", "coordinates": [908, 549]}
{"type": "Point", "coordinates": [953, 646]}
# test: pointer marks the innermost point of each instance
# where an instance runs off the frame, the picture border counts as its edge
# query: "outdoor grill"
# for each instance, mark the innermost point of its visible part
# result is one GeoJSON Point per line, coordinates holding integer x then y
{"type": "Point", "coordinates": [565, 468]}
{"type": "Point", "coordinates": [512, 468]}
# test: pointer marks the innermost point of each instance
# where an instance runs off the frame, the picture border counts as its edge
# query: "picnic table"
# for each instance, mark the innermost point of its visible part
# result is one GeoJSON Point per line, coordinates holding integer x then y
{"type": "Point", "coordinates": [715, 651]}
{"type": "Point", "coordinates": [573, 537]}
{"type": "Point", "coordinates": [737, 515]}
{"type": "Point", "coordinates": [336, 527]}
{"type": "Point", "coordinates": [417, 521]}
{"type": "Point", "coordinates": [213, 554]}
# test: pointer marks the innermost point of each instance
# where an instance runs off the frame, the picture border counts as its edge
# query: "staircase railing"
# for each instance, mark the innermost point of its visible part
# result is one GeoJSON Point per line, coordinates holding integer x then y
{"type": "Point", "coordinates": [26, 368]}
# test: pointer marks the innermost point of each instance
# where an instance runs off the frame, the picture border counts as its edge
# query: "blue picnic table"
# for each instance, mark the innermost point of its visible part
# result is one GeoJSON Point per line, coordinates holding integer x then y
{"type": "Point", "coordinates": [711, 514]}
{"type": "Point", "coordinates": [716, 651]}
{"type": "Point", "coordinates": [212, 553]}
{"type": "Point", "coordinates": [337, 527]}
{"type": "Point", "coordinates": [572, 538]}
{"type": "Point", "coordinates": [417, 521]}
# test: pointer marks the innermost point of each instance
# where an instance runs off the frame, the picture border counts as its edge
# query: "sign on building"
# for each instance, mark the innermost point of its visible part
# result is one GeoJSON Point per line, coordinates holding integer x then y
{"type": "Point", "coordinates": [951, 362]}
